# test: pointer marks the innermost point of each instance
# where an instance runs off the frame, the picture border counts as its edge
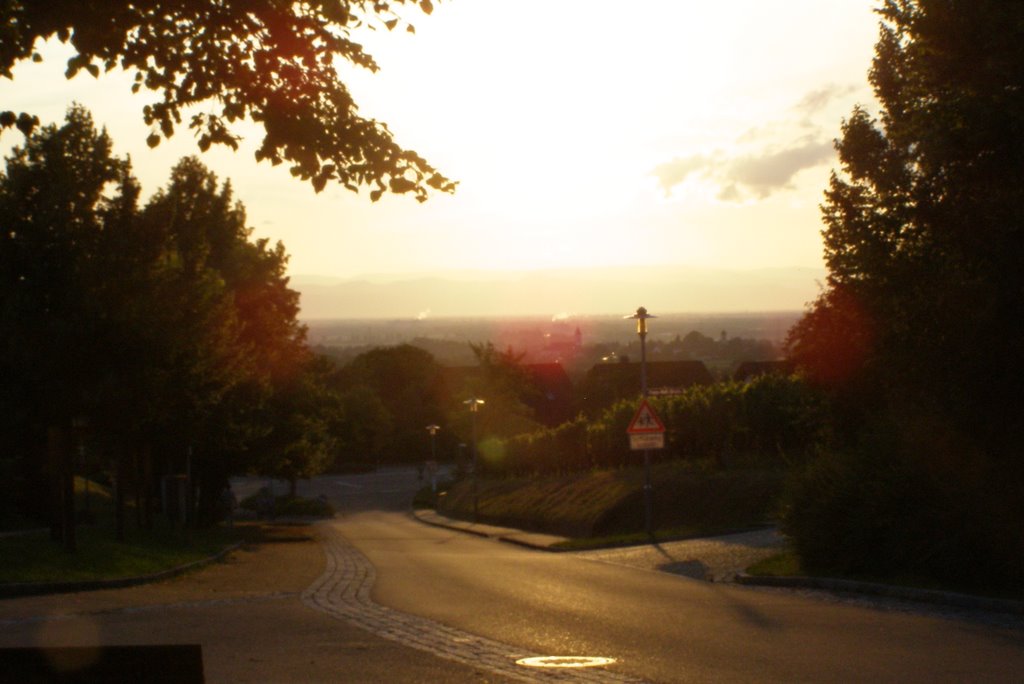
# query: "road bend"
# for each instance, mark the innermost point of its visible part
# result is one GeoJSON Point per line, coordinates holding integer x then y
{"type": "Point", "coordinates": [467, 597]}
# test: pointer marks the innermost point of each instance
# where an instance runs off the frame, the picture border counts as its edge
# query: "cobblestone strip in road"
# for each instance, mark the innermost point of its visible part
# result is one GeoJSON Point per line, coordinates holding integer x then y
{"type": "Point", "coordinates": [343, 591]}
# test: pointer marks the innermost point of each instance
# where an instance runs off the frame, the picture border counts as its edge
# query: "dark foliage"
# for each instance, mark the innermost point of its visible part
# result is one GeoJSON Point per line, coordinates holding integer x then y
{"type": "Point", "coordinates": [771, 421]}
{"type": "Point", "coordinates": [160, 339]}
{"type": "Point", "coordinates": [267, 61]}
{"type": "Point", "coordinates": [919, 329]}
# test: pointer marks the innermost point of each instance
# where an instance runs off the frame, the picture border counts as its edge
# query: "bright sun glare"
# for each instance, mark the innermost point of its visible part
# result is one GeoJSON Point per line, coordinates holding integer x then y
{"type": "Point", "coordinates": [554, 117]}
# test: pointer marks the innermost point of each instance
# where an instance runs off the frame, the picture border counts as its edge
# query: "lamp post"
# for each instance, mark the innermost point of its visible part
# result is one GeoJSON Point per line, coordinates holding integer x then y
{"type": "Point", "coordinates": [641, 317]}
{"type": "Point", "coordinates": [432, 429]}
{"type": "Point", "coordinates": [474, 406]}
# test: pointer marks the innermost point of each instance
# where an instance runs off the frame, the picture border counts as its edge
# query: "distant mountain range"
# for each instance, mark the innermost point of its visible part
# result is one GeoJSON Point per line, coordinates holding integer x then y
{"type": "Point", "coordinates": [591, 291]}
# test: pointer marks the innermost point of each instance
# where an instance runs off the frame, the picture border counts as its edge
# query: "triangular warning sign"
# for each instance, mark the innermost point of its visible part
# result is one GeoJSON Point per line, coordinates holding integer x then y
{"type": "Point", "coordinates": [645, 421]}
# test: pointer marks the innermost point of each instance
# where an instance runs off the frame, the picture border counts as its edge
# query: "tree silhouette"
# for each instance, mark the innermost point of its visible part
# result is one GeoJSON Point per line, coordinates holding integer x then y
{"type": "Point", "coordinates": [924, 245]}
{"type": "Point", "coordinates": [263, 60]}
{"type": "Point", "coordinates": [924, 223]}
{"type": "Point", "coordinates": [166, 327]}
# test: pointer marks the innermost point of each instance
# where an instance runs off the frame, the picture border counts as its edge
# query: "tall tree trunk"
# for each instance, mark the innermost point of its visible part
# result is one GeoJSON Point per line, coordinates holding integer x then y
{"type": "Point", "coordinates": [53, 473]}
{"type": "Point", "coordinates": [147, 487]}
{"type": "Point", "coordinates": [137, 485]}
{"type": "Point", "coordinates": [119, 482]}
{"type": "Point", "coordinates": [62, 456]}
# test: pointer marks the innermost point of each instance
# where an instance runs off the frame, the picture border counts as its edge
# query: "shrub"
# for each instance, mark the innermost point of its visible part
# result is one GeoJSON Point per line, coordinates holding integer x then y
{"type": "Point", "coordinates": [878, 511]}
{"type": "Point", "coordinates": [288, 505]}
{"type": "Point", "coordinates": [315, 508]}
{"type": "Point", "coordinates": [771, 421]}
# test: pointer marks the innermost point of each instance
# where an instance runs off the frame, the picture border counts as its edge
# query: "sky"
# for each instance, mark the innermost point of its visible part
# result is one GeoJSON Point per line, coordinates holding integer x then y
{"type": "Point", "coordinates": [583, 134]}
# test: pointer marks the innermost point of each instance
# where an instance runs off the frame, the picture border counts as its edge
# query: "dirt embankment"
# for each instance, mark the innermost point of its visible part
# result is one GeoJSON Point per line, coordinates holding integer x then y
{"type": "Point", "coordinates": [610, 502]}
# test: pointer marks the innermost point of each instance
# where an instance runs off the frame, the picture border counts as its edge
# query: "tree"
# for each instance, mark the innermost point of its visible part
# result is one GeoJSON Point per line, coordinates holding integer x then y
{"type": "Point", "coordinates": [299, 414]}
{"type": "Point", "coordinates": [924, 246]}
{"type": "Point", "coordinates": [924, 224]}
{"type": "Point", "coordinates": [167, 328]}
{"type": "Point", "coordinates": [54, 213]}
{"type": "Point", "coordinates": [407, 382]}
{"type": "Point", "coordinates": [507, 388]}
{"type": "Point", "coordinates": [268, 61]}
{"type": "Point", "coordinates": [239, 360]}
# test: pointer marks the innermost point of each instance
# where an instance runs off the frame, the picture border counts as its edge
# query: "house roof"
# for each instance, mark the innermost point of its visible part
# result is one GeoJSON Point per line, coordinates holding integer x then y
{"type": "Point", "coordinates": [608, 383]}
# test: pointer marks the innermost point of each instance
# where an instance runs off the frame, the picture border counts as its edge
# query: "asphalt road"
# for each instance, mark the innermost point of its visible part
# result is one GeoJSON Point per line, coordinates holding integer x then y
{"type": "Point", "coordinates": [382, 598]}
{"type": "Point", "coordinates": [657, 626]}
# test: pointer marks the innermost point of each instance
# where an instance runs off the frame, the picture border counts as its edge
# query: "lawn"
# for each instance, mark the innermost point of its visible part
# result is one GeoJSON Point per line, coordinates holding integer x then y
{"type": "Point", "coordinates": [34, 557]}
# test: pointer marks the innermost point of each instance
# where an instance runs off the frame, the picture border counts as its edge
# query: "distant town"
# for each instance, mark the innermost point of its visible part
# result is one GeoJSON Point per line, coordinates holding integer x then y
{"type": "Point", "coordinates": [721, 341]}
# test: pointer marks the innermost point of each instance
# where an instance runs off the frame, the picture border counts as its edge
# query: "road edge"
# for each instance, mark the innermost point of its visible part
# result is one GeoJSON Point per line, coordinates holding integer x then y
{"type": "Point", "coordinates": [933, 596]}
{"type": "Point", "coordinates": [930, 596]}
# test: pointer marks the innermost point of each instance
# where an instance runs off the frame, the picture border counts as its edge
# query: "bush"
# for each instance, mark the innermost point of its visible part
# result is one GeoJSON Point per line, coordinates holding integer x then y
{"type": "Point", "coordinates": [880, 512]}
{"type": "Point", "coordinates": [314, 508]}
{"type": "Point", "coordinates": [425, 498]}
{"type": "Point", "coordinates": [769, 422]}
{"type": "Point", "coordinates": [287, 505]}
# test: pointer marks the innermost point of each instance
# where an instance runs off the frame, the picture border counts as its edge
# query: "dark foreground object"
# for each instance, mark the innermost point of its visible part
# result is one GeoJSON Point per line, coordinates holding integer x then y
{"type": "Point", "coordinates": [151, 664]}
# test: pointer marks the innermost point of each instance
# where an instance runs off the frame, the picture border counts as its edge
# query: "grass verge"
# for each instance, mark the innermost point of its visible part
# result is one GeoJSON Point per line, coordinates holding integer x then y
{"type": "Point", "coordinates": [634, 538]}
{"type": "Point", "coordinates": [785, 564]}
{"type": "Point", "coordinates": [605, 507]}
{"type": "Point", "coordinates": [35, 558]}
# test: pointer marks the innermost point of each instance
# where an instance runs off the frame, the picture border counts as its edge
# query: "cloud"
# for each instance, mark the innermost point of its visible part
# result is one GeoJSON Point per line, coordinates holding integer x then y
{"type": "Point", "coordinates": [773, 171]}
{"type": "Point", "coordinates": [758, 174]}
{"type": "Point", "coordinates": [770, 154]}
{"type": "Point", "coordinates": [671, 174]}
{"type": "Point", "coordinates": [816, 100]}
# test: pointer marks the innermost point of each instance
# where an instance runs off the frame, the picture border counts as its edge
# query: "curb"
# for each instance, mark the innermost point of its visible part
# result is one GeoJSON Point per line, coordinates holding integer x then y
{"type": "Point", "coordinates": [933, 596]}
{"type": "Point", "coordinates": [528, 544]}
{"type": "Point", "coordinates": [506, 536]}
{"type": "Point", "coordinates": [454, 528]}
{"type": "Point", "coordinates": [19, 590]}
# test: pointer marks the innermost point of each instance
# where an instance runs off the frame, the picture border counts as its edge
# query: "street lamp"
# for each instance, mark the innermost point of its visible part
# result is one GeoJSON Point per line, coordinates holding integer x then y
{"type": "Point", "coordinates": [474, 406]}
{"type": "Point", "coordinates": [432, 429]}
{"type": "Point", "coordinates": [641, 317]}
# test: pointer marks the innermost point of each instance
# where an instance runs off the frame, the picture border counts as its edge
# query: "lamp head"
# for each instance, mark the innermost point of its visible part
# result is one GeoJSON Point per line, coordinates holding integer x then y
{"type": "Point", "coordinates": [473, 404]}
{"type": "Point", "coordinates": [641, 317]}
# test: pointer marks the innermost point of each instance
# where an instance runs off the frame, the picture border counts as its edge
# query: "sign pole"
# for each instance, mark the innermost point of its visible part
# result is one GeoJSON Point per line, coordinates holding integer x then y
{"type": "Point", "coordinates": [646, 430]}
{"type": "Point", "coordinates": [642, 329]}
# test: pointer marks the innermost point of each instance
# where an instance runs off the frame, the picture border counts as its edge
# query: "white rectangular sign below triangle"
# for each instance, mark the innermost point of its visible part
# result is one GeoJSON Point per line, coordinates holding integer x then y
{"type": "Point", "coordinates": [645, 421]}
{"type": "Point", "coordinates": [647, 440]}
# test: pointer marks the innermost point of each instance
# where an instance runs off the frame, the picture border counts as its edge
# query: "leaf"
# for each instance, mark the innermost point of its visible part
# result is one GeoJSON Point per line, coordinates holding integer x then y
{"type": "Point", "coordinates": [319, 182]}
{"type": "Point", "coordinates": [204, 143]}
{"type": "Point", "coordinates": [426, 6]}
{"type": "Point", "coordinates": [26, 122]}
{"type": "Point", "coordinates": [391, 24]}
{"type": "Point", "coordinates": [7, 119]}
{"type": "Point", "coordinates": [375, 195]}
{"type": "Point", "coordinates": [36, 57]}
{"type": "Point", "coordinates": [410, 28]}
{"type": "Point", "coordinates": [401, 185]}
{"type": "Point", "coordinates": [93, 69]}
{"type": "Point", "coordinates": [153, 140]}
